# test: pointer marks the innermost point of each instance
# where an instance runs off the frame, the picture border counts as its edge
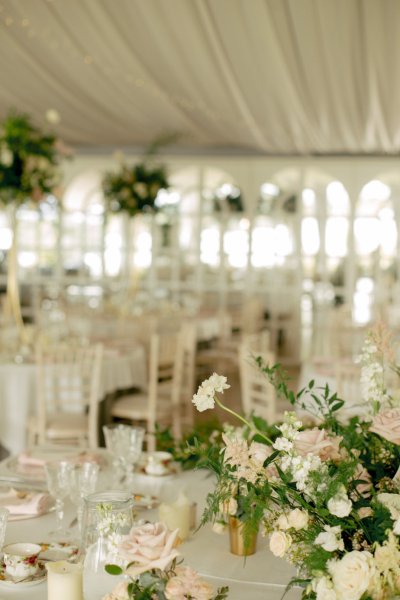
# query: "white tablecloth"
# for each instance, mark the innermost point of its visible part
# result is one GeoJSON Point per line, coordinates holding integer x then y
{"type": "Point", "coordinates": [259, 577]}
{"type": "Point", "coordinates": [17, 391]}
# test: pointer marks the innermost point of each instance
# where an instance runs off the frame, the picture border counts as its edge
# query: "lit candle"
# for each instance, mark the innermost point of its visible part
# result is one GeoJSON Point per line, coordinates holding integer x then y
{"type": "Point", "coordinates": [176, 515]}
{"type": "Point", "coordinates": [64, 581]}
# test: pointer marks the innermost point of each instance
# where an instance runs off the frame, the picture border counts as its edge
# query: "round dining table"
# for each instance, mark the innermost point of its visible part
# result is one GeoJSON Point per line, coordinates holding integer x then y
{"type": "Point", "coordinates": [261, 576]}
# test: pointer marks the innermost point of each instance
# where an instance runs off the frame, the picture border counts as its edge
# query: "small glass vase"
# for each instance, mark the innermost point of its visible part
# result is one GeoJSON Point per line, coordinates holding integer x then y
{"type": "Point", "coordinates": [107, 518]}
{"type": "Point", "coordinates": [240, 544]}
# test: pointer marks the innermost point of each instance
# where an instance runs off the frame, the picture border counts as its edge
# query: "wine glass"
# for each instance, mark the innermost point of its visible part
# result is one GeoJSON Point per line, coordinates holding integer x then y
{"type": "Point", "coordinates": [58, 475]}
{"type": "Point", "coordinates": [125, 443]}
{"type": "Point", "coordinates": [83, 480]}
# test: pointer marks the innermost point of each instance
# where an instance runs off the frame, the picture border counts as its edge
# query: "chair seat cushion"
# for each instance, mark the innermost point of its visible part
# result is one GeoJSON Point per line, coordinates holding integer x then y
{"type": "Point", "coordinates": [135, 406]}
{"type": "Point", "coordinates": [64, 426]}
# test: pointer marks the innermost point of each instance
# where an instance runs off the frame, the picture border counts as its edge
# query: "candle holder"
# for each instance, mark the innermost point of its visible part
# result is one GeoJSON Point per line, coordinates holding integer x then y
{"type": "Point", "coordinates": [240, 544]}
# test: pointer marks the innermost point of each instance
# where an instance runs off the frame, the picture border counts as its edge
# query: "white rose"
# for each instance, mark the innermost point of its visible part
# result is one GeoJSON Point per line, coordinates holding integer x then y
{"type": "Point", "coordinates": [340, 505]}
{"type": "Point", "coordinates": [219, 527]}
{"type": "Point", "coordinates": [391, 502]}
{"type": "Point", "coordinates": [298, 519]}
{"type": "Point", "coordinates": [279, 543]}
{"type": "Point", "coordinates": [396, 527]}
{"type": "Point", "coordinates": [232, 506]}
{"type": "Point", "coordinates": [330, 539]}
{"type": "Point", "coordinates": [351, 575]}
{"type": "Point", "coordinates": [323, 587]}
{"type": "Point", "coordinates": [6, 156]}
{"type": "Point", "coordinates": [283, 522]}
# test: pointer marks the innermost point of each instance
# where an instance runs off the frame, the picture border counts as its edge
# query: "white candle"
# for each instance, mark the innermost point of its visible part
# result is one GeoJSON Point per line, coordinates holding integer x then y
{"type": "Point", "coordinates": [64, 581]}
{"type": "Point", "coordinates": [176, 516]}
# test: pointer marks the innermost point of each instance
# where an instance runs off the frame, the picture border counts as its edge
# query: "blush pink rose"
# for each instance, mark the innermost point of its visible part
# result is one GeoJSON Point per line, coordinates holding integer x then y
{"type": "Point", "coordinates": [364, 488]}
{"type": "Point", "coordinates": [187, 584]}
{"type": "Point", "coordinates": [316, 442]}
{"type": "Point", "coordinates": [387, 425]}
{"type": "Point", "coordinates": [149, 546]}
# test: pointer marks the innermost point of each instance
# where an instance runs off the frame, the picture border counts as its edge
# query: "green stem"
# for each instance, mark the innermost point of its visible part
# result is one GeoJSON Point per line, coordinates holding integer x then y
{"type": "Point", "coordinates": [235, 414]}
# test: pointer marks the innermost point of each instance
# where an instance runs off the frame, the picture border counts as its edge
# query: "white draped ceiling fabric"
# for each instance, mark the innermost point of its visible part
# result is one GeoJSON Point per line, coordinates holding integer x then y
{"type": "Point", "coordinates": [280, 77]}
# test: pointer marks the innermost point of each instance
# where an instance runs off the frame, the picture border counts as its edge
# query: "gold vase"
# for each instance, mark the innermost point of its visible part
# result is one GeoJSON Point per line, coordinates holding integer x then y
{"type": "Point", "coordinates": [240, 545]}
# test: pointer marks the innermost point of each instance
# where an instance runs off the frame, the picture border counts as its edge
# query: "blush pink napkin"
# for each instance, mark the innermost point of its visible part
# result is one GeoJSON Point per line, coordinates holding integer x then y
{"type": "Point", "coordinates": [27, 460]}
{"type": "Point", "coordinates": [33, 503]}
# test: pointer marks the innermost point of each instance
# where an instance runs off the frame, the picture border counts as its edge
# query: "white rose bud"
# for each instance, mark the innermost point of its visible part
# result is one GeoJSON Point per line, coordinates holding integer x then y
{"type": "Point", "coordinates": [298, 519]}
{"type": "Point", "coordinates": [219, 527]}
{"type": "Point", "coordinates": [283, 522]}
{"type": "Point", "coordinates": [340, 505]}
{"type": "Point", "coordinates": [279, 543]}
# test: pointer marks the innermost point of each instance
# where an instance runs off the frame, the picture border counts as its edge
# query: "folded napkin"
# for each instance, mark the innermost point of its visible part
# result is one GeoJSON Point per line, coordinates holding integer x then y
{"type": "Point", "coordinates": [27, 460]}
{"type": "Point", "coordinates": [22, 502]}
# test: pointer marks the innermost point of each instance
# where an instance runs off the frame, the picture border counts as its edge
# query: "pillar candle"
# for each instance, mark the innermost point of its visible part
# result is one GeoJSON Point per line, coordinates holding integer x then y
{"type": "Point", "coordinates": [64, 581]}
{"type": "Point", "coordinates": [176, 515]}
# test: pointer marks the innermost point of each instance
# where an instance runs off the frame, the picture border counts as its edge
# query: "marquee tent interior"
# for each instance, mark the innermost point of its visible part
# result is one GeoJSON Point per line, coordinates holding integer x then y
{"type": "Point", "coordinates": [255, 145]}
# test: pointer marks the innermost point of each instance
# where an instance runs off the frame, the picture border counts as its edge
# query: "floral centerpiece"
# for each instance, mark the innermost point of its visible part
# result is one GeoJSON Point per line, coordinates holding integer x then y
{"type": "Point", "coordinates": [328, 496]}
{"type": "Point", "coordinates": [29, 161]}
{"type": "Point", "coordinates": [134, 189]}
{"type": "Point", "coordinates": [151, 570]}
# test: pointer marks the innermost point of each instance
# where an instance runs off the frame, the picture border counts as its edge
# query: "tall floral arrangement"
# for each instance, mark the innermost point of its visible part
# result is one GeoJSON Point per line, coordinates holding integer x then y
{"type": "Point", "coordinates": [29, 160]}
{"type": "Point", "coordinates": [133, 189]}
{"type": "Point", "coordinates": [328, 496]}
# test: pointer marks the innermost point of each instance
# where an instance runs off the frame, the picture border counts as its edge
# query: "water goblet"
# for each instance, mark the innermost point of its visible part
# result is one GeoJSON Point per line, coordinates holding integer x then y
{"type": "Point", "coordinates": [125, 443]}
{"type": "Point", "coordinates": [83, 480]}
{"type": "Point", "coordinates": [58, 475]}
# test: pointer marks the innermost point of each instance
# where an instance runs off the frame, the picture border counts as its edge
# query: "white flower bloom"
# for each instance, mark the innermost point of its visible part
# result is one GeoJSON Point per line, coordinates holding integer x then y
{"type": "Point", "coordinates": [6, 156]}
{"type": "Point", "coordinates": [340, 505]}
{"type": "Point", "coordinates": [396, 527]}
{"type": "Point", "coordinates": [298, 519]}
{"type": "Point", "coordinates": [283, 444]}
{"type": "Point", "coordinates": [219, 527]}
{"type": "Point", "coordinates": [323, 588]}
{"type": "Point", "coordinates": [219, 382]}
{"type": "Point", "coordinates": [282, 522]}
{"type": "Point", "coordinates": [232, 506]}
{"type": "Point", "coordinates": [279, 543]}
{"type": "Point", "coordinates": [352, 574]}
{"type": "Point", "coordinates": [330, 539]}
{"type": "Point", "coordinates": [202, 401]}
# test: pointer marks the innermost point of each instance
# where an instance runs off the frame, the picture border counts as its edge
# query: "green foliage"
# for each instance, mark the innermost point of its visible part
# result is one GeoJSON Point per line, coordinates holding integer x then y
{"type": "Point", "coordinates": [28, 160]}
{"type": "Point", "coordinates": [196, 447]}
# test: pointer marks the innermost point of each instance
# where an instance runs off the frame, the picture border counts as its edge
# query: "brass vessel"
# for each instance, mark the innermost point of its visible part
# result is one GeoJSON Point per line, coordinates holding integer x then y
{"type": "Point", "coordinates": [237, 541]}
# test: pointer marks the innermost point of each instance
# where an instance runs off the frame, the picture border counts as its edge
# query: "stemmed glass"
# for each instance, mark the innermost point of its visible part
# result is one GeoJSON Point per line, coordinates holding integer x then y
{"type": "Point", "coordinates": [3, 524]}
{"type": "Point", "coordinates": [58, 475]}
{"type": "Point", "coordinates": [83, 480]}
{"type": "Point", "coordinates": [125, 443]}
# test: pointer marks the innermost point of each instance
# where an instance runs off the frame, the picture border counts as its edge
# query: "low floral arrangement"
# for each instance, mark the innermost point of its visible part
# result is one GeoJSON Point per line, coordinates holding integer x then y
{"type": "Point", "coordinates": [151, 570]}
{"type": "Point", "coordinates": [29, 161]}
{"type": "Point", "coordinates": [134, 189]}
{"type": "Point", "coordinates": [328, 496]}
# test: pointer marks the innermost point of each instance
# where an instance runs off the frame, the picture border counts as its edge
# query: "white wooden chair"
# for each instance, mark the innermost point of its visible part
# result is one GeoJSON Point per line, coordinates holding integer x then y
{"type": "Point", "coordinates": [68, 390]}
{"type": "Point", "coordinates": [184, 380]}
{"type": "Point", "coordinates": [258, 395]}
{"type": "Point", "coordinates": [259, 342]}
{"type": "Point", "coordinates": [160, 401]}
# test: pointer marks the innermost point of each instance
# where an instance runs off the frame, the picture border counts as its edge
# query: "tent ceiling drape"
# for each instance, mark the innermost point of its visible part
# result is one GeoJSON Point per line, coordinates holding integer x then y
{"type": "Point", "coordinates": [260, 76]}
